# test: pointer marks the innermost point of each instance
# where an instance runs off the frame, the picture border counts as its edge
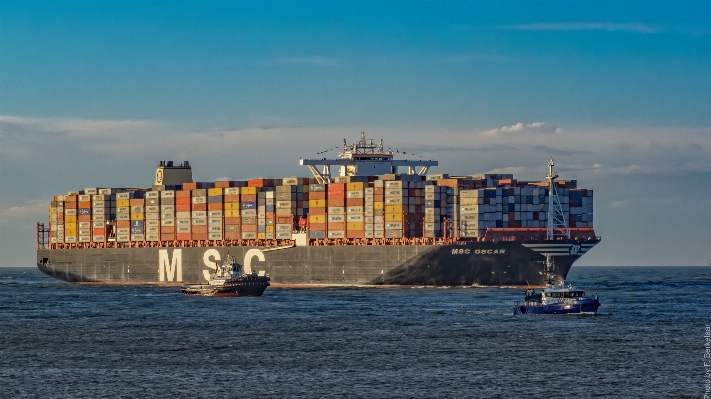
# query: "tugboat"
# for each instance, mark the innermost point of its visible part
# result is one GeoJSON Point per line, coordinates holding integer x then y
{"type": "Point", "coordinates": [556, 298]}
{"type": "Point", "coordinates": [228, 280]}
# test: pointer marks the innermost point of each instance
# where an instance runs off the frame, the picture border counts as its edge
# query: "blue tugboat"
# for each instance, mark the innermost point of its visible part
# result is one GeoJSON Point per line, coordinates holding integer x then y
{"type": "Point", "coordinates": [556, 298]}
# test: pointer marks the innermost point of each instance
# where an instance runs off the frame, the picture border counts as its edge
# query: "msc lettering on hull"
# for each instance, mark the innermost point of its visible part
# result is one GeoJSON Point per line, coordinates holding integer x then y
{"type": "Point", "coordinates": [478, 251]}
{"type": "Point", "coordinates": [170, 268]}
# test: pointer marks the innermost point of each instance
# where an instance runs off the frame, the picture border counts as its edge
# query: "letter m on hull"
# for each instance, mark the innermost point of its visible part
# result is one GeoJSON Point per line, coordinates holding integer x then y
{"type": "Point", "coordinates": [170, 267]}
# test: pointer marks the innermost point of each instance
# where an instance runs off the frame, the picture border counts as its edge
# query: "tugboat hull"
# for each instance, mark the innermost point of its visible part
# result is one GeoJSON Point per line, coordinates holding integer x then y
{"type": "Point", "coordinates": [249, 285]}
{"type": "Point", "coordinates": [578, 307]}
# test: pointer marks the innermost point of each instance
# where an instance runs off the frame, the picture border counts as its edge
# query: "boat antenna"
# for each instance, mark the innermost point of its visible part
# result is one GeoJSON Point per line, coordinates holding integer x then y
{"type": "Point", "coordinates": [556, 224]}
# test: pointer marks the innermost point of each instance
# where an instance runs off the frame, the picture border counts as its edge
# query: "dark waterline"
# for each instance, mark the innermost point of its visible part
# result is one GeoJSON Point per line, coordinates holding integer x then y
{"type": "Point", "coordinates": [67, 340]}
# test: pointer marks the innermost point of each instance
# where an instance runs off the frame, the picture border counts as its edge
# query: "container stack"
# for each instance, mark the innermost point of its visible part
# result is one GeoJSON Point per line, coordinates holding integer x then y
{"type": "Point", "coordinates": [248, 198]}
{"type": "Point", "coordinates": [137, 215]}
{"type": "Point", "coordinates": [198, 222]}
{"type": "Point", "coordinates": [183, 224]}
{"type": "Point", "coordinates": [231, 213]}
{"type": "Point", "coordinates": [123, 216]}
{"type": "Point", "coordinates": [395, 207]}
{"type": "Point", "coordinates": [70, 219]}
{"type": "Point", "coordinates": [336, 210]}
{"type": "Point", "coordinates": [215, 212]}
{"type": "Point", "coordinates": [152, 216]}
{"type": "Point", "coordinates": [53, 222]}
{"type": "Point", "coordinates": [318, 215]}
{"type": "Point", "coordinates": [355, 215]}
{"type": "Point", "coordinates": [84, 218]}
{"type": "Point", "coordinates": [580, 208]}
{"type": "Point", "coordinates": [435, 210]}
{"type": "Point", "coordinates": [471, 213]}
{"type": "Point", "coordinates": [103, 207]}
{"type": "Point", "coordinates": [285, 208]}
{"type": "Point", "coordinates": [167, 215]}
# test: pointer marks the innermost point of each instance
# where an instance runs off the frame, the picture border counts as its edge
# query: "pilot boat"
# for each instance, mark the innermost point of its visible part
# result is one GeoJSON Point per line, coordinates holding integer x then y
{"type": "Point", "coordinates": [556, 298]}
{"type": "Point", "coordinates": [228, 280]}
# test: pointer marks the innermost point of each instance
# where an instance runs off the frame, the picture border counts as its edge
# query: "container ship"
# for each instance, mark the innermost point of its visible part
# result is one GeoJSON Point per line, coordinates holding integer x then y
{"type": "Point", "coordinates": [376, 220]}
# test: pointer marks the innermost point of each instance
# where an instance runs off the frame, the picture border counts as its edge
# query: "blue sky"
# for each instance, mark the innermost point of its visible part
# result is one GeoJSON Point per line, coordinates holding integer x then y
{"type": "Point", "coordinates": [95, 93]}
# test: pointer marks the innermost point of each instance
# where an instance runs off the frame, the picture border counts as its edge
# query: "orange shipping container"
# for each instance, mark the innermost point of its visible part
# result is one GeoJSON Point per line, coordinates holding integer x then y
{"type": "Point", "coordinates": [270, 215]}
{"type": "Point", "coordinates": [255, 182]}
{"type": "Point", "coordinates": [232, 235]}
{"type": "Point", "coordinates": [321, 195]}
{"type": "Point", "coordinates": [84, 218]}
{"type": "Point", "coordinates": [336, 226]}
{"type": "Point", "coordinates": [182, 194]}
{"type": "Point", "coordinates": [200, 207]}
{"type": "Point", "coordinates": [167, 229]}
{"type": "Point", "coordinates": [98, 232]}
{"type": "Point", "coordinates": [182, 207]}
{"type": "Point", "coordinates": [132, 202]}
{"type": "Point", "coordinates": [355, 234]}
{"type": "Point", "coordinates": [378, 190]}
{"type": "Point", "coordinates": [183, 236]}
{"type": "Point", "coordinates": [182, 201]}
{"type": "Point", "coordinates": [84, 204]}
{"type": "Point", "coordinates": [222, 184]}
{"type": "Point", "coordinates": [284, 219]}
{"type": "Point", "coordinates": [336, 195]}
{"type": "Point", "coordinates": [335, 187]}
{"type": "Point", "coordinates": [214, 206]}
{"type": "Point", "coordinates": [317, 211]}
{"type": "Point", "coordinates": [336, 202]}
{"type": "Point", "coordinates": [231, 198]}
{"type": "Point", "coordinates": [317, 226]}
{"type": "Point", "coordinates": [198, 229]}
{"type": "Point", "coordinates": [198, 236]}
{"type": "Point", "coordinates": [167, 237]}
{"type": "Point", "coordinates": [354, 201]}
{"type": "Point", "coordinates": [249, 227]}
{"type": "Point", "coordinates": [249, 197]}
{"type": "Point", "coordinates": [232, 220]}
{"type": "Point", "coordinates": [123, 223]}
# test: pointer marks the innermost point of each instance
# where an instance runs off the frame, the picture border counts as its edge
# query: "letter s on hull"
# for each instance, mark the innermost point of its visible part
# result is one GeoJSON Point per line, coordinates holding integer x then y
{"type": "Point", "coordinates": [210, 253]}
{"type": "Point", "coordinates": [248, 259]}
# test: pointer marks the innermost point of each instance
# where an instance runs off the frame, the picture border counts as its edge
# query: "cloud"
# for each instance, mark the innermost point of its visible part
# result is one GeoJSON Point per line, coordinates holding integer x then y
{"type": "Point", "coordinates": [316, 61]}
{"type": "Point", "coordinates": [515, 170]}
{"type": "Point", "coordinates": [31, 209]}
{"type": "Point", "coordinates": [620, 204]}
{"type": "Point", "coordinates": [523, 128]}
{"type": "Point", "coordinates": [582, 26]}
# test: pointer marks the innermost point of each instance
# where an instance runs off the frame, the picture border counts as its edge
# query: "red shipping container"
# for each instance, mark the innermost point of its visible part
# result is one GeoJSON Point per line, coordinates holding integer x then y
{"type": "Point", "coordinates": [284, 219]}
{"type": "Point", "coordinates": [307, 196]}
{"type": "Point", "coordinates": [183, 236]}
{"type": "Point", "coordinates": [200, 207]}
{"type": "Point", "coordinates": [214, 206]}
{"type": "Point", "coordinates": [233, 221]}
{"type": "Point", "coordinates": [231, 198]}
{"type": "Point", "coordinates": [270, 215]}
{"type": "Point", "coordinates": [198, 229]}
{"type": "Point", "coordinates": [300, 204]}
{"type": "Point", "coordinates": [232, 236]}
{"type": "Point", "coordinates": [355, 234]}
{"type": "Point", "coordinates": [352, 202]}
{"type": "Point", "coordinates": [336, 187]}
{"type": "Point", "coordinates": [98, 232]}
{"type": "Point", "coordinates": [317, 226]}
{"type": "Point", "coordinates": [317, 195]}
{"type": "Point", "coordinates": [198, 236]}
{"type": "Point", "coordinates": [336, 202]}
{"type": "Point", "coordinates": [255, 183]}
{"type": "Point", "coordinates": [182, 208]}
{"type": "Point", "coordinates": [336, 195]}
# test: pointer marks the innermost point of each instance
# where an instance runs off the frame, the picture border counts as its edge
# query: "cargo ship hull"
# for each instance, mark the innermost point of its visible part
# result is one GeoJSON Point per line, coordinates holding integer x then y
{"type": "Point", "coordinates": [505, 263]}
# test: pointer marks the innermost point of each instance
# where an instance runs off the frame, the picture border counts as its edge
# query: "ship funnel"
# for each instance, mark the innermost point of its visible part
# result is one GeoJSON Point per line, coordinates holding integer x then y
{"type": "Point", "coordinates": [171, 173]}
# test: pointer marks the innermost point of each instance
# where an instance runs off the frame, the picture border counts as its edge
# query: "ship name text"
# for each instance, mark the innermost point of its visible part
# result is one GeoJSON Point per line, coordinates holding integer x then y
{"type": "Point", "coordinates": [463, 251]}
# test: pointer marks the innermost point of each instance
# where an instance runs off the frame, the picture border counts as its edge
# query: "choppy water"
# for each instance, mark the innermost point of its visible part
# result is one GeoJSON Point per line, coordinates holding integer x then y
{"type": "Point", "coordinates": [64, 340]}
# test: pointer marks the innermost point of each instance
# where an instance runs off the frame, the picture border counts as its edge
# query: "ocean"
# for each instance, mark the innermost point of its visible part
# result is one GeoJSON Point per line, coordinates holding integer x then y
{"type": "Point", "coordinates": [98, 341]}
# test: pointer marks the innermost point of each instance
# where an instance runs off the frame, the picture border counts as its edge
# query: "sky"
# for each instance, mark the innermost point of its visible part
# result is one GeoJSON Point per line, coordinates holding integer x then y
{"type": "Point", "coordinates": [95, 94]}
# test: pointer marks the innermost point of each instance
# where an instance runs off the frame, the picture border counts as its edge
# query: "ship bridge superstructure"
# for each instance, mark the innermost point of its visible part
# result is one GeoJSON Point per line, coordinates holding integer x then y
{"type": "Point", "coordinates": [364, 158]}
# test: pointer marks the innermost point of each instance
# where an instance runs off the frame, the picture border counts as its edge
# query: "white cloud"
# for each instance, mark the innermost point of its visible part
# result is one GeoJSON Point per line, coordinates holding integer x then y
{"type": "Point", "coordinates": [31, 209]}
{"type": "Point", "coordinates": [569, 26]}
{"type": "Point", "coordinates": [620, 204]}
{"type": "Point", "coordinates": [523, 128]}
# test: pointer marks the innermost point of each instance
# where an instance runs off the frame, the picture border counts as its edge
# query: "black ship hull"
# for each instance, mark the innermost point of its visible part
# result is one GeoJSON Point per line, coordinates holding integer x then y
{"type": "Point", "coordinates": [505, 263]}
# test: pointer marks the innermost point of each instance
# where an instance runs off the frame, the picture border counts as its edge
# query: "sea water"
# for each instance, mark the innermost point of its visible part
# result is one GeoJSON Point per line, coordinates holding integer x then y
{"type": "Point", "coordinates": [69, 340]}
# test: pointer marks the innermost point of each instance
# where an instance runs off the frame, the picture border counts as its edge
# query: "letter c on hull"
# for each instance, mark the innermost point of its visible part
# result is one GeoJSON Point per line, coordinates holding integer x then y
{"type": "Point", "coordinates": [248, 259]}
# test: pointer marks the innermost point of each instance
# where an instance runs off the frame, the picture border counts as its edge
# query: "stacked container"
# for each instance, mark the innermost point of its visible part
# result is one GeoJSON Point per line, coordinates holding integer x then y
{"type": "Point", "coordinates": [123, 216]}
{"type": "Point", "coordinates": [198, 225]}
{"type": "Point", "coordinates": [248, 212]}
{"type": "Point", "coordinates": [102, 210]}
{"type": "Point", "coordinates": [70, 219]}
{"type": "Point", "coordinates": [355, 211]}
{"type": "Point", "coordinates": [215, 213]}
{"type": "Point", "coordinates": [231, 213]}
{"type": "Point", "coordinates": [152, 206]}
{"type": "Point", "coordinates": [318, 215]}
{"type": "Point", "coordinates": [335, 210]}
{"type": "Point", "coordinates": [84, 218]}
{"type": "Point", "coordinates": [137, 215]}
{"type": "Point", "coordinates": [167, 215]}
{"type": "Point", "coordinates": [396, 206]}
{"type": "Point", "coordinates": [285, 205]}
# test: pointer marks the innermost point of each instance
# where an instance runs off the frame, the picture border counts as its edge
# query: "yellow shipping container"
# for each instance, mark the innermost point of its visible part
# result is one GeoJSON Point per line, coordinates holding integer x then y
{"type": "Point", "coordinates": [70, 232]}
{"type": "Point", "coordinates": [231, 206]}
{"type": "Point", "coordinates": [70, 225]}
{"type": "Point", "coordinates": [70, 219]}
{"type": "Point", "coordinates": [214, 192]}
{"type": "Point", "coordinates": [270, 229]}
{"type": "Point", "coordinates": [317, 218]}
{"type": "Point", "coordinates": [137, 216]}
{"type": "Point", "coordinates": [354, 186]}
{"type": "Point", "coordinates": [354, 226]}
{"type": "Point", "coordinates": [378, 205]}
{"type": "Point", "coordinates": [393, 209]}
{"type": "Point", "coordinates": [248, 190]}
{"type": "Point", "coordinates": [122, 202]}
{"type": "Point", "coordinates": [262, 236]}
{"type": "Point", "coordinates": [317, 203]}
{"type": "Point", "coordinates": [234, 213]}
{"type": "Point", "coordinates": [393, 217]}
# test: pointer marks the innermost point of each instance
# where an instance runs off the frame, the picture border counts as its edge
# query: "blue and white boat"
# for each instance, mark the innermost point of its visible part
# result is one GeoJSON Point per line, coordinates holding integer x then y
{"type": "Point", "coordinates": [556, 298]}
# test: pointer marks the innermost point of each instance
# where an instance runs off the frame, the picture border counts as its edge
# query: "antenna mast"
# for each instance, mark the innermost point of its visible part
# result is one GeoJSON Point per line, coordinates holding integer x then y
{"type": "Point", "coordinates": [557, 225]}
